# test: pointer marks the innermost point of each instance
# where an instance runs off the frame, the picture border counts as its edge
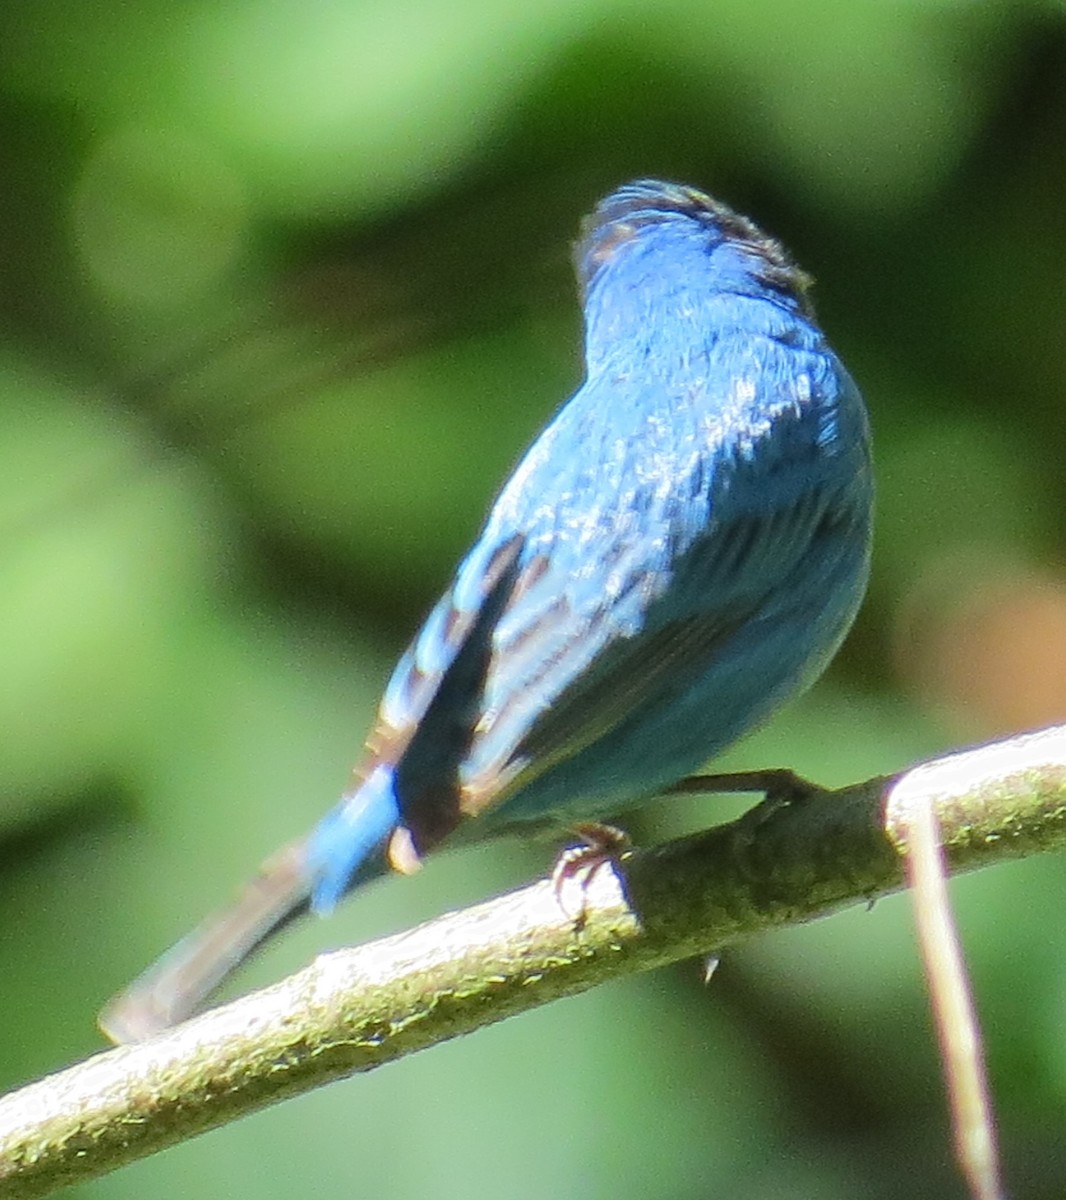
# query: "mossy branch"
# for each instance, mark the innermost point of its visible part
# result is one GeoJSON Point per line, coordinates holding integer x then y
{"type": "Point", "coordinates": [356, 1009]}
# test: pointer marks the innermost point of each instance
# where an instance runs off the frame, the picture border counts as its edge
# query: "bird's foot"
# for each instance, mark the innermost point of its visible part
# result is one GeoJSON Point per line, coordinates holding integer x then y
{"type": "Point", "coordinates": [600, 846]}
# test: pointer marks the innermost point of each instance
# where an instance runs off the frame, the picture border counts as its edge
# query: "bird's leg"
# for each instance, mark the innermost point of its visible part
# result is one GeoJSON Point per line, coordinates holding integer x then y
{"type": "Point", "coordinates": [781, 789]}
{"type": "Point", "coordinates": [779, 785]}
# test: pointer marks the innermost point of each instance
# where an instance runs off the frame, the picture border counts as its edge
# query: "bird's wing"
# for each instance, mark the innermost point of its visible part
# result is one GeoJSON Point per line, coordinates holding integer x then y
{"type": "Point", "coordinates": [596, 672]}
{"type": "Point", "coordinates": [445, 666]}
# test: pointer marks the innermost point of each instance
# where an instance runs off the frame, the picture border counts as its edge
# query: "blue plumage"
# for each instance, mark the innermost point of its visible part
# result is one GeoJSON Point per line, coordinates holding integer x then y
{"type": "Point", "coordinates": [681, 549]}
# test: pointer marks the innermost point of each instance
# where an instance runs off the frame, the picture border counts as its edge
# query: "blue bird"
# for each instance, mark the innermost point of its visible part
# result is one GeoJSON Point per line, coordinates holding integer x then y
{"type": "Point", "coordinates": [680, 550]}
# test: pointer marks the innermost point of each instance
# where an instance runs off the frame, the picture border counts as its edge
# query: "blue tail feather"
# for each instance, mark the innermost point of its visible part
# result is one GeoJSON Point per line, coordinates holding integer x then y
{"type": "Point", "coordinates": [345, 846]}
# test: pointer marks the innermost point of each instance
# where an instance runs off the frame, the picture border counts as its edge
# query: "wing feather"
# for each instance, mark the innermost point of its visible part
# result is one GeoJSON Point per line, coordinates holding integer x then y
{"type": "Point", "coordinates": [599, 676]}
{"type": "Point", "coordinates": [656, 552]}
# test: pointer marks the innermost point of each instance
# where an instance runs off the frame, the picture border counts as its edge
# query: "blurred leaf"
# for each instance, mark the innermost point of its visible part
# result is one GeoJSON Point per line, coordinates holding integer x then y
{"type": "Point", "coordinates": [99, 556]}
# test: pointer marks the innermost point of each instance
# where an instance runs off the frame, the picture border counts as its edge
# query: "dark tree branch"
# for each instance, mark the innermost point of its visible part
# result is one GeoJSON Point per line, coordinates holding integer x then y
{"type": "Point", "coordinates": [356, 1009]}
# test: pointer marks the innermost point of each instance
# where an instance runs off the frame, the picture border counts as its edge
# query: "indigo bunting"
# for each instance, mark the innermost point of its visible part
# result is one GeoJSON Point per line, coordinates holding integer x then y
{"type": "Point", "coordinates": [683, 547]}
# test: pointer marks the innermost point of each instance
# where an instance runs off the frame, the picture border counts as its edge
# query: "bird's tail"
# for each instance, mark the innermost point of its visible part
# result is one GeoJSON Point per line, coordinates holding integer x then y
{"type": "Point", "coordinates": [345, 850]}
{"type": "Point", "coordinates": [180, 982]}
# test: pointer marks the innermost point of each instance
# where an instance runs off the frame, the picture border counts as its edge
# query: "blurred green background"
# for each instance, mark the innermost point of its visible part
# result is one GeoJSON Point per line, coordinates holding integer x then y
{"type": "Point", "coordinates": [284, 291]}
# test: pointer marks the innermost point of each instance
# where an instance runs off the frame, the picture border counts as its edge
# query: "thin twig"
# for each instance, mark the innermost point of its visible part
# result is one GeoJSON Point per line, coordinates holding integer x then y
{"type": "Point", "coordinates": [912, 818]}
